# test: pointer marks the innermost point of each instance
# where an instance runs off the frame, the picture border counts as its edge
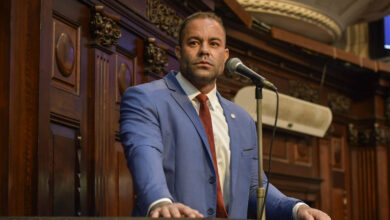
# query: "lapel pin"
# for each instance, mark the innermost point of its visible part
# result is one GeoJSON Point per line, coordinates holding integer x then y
{"type": "Point", "coordinates": [233, 115]}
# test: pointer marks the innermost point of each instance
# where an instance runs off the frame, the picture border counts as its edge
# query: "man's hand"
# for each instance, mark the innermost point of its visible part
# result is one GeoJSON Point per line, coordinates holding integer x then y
{"type": "Point", "coordinates": [307, 213]}
{"type": "Point", "coordinates": [173, 210]}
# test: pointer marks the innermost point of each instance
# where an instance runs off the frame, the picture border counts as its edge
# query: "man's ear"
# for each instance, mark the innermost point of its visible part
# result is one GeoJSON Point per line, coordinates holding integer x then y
{"type": "Point", "coordinates": [226, 54]}
{"type": "Point", "coordinates": [178, 52]}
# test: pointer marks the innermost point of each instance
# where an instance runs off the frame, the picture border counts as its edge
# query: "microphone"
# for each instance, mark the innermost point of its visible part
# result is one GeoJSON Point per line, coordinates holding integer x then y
{"type": "Point", "coordinates": [234, 65]}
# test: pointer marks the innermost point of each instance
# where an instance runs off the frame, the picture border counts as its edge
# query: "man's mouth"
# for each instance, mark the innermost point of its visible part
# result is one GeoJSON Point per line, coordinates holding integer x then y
{"type": "Point", "coordinates": [203, 63]}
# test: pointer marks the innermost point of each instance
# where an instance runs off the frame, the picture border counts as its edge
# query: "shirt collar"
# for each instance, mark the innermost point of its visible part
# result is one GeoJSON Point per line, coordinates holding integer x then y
{"type": "Point", "coordinates": [191, 91]}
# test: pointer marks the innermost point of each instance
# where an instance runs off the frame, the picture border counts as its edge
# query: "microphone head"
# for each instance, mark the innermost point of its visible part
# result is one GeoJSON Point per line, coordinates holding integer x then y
{"type": "Point", "coordinates": [232, 64]}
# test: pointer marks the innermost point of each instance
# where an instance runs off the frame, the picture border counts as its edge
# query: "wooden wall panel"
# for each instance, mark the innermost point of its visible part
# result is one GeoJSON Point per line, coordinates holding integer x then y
{"type": "Point", "coordinates": [280, 148]}
{"type": "Point", "coordinates": [65, 182]}
{"type": "Point", "coordinates": [382, 183]}
{"type": "Point", "coordinates": [338, 178]}
{"type": "Point", "coordinates": [66, 104]}
{"type": "Point", "coordinates": [125, 74]}
{"type": "Point", "coordinates": [364, 201]}
{"type": "Point", "coordinates": [124, 184]}
{"type": "Point", "coordinates": [63, 165]}
{"type": "Point", "coordinates": [355, 189]}
{"type": "Point", "coordinates": [291, 154]}
{"type": "Point", "coordinates": [44, 148]}
{"type": "Point", "coordinates": [5, 30]}
{"type": "Point", "coordinates": [23, 107]}
{"type": "Point", "coordinates": [138, 6]}
{"type": "Point", "coordinates": [338, 199]}
{"type": "Point", "coordinates": [337, 152]}
{"type": "Point", "coordinates": [303, 154]}
{"type": "Point", "coordinates": [66, 54]}
{"type": "Point", "coordinates": [325, 174]}
{"type": "Point", "coordinates": [114, 73]}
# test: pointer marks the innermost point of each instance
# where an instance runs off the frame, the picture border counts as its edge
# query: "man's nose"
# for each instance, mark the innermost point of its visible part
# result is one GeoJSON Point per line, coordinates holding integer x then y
{"type": "Point", "coordinates": [204, 49]}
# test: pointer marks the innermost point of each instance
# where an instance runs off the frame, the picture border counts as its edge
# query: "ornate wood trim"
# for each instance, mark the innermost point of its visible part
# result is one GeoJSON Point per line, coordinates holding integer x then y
{"type": "Point", "coordinates": [164, 17]}
{"type": "Point", "coordinates": [338, 102]}
{"type": "Point", "coordinates": [65, 54]}
{"type": "Point", "coordinates": [155, 57]}
{"type": "Point", "coordinates": [304, 91]}
{"type": "Point", "coordinates": [104, 28]}
{"type": "Point", "coordinates": [374, 136]}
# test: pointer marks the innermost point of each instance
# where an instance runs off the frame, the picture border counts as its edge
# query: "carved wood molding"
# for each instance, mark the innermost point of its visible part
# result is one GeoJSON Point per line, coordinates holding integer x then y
{"type": "Point", "coordinates": [104, 28]}
{"type": "Point", "coordinates": [374, 136]}
{"type": "Point", "coordinates": [124, 77]}
{"type": "Point", "coordinates": [296, 11]}
{"type": "Point", "coordinates": [155, 57]}
{"type": "Point", "coordinates": [65, 73]}
{"type": "Point", "coordinates": [304, 91]}
{"type": "Point", "coordinates": [65, 54]}
{"type": "Point", "coordinates": [338, 102]}
{"type": "Point", "coordinates": [164, 17]}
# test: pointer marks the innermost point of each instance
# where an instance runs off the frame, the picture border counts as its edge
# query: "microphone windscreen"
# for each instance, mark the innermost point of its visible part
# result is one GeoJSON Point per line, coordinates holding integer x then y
{"type": "Point", "coordinates": [232, 64]}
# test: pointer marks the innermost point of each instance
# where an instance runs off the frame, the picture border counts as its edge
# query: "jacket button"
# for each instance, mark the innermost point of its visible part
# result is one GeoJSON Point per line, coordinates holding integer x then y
{"type": "Point", "coordinates": [212, 180]}
{"type": "Point", "coordinates": [210, 211]}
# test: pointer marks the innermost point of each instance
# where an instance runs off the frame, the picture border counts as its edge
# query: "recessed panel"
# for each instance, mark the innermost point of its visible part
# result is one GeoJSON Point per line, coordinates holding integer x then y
{"type": "Point", "coordinates": [124, 69]}
{"type": "Point", "coordinates": [125, 183]}
{"type": "Point", "coordinates": [303, 153]}
{"type": "Point", "coordinates": [337, 153]}
{"type": "Point", "coordinates": [279, 149]}
{"type": "Point", "coordinates": [64, 182]}
{"type": "Point", "coordinates": [66, 56]}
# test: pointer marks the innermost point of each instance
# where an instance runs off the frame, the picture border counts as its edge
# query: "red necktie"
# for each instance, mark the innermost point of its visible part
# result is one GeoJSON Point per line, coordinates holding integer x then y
{"type": "Point", "coordinates": [205, 116]}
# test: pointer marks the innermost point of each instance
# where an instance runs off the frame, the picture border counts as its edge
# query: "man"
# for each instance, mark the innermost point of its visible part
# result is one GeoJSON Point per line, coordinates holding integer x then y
{"type": "Point", "coordinates": [191, 152]}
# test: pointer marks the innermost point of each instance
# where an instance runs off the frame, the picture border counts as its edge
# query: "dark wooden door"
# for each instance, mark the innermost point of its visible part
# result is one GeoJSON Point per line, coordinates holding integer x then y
{"type": "Point", "coordinates": [63, 150]}
{"type": "Point", "coordinates": [82, 169]}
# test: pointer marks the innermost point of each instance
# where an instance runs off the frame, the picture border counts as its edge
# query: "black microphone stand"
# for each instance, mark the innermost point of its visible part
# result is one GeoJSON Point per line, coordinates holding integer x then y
{"type": "Point", "coordinates": [260, 190]}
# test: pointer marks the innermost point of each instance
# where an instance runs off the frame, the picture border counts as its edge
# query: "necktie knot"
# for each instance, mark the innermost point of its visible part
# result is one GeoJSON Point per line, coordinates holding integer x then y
{"type": "Point", "coordinates": [202, 98]}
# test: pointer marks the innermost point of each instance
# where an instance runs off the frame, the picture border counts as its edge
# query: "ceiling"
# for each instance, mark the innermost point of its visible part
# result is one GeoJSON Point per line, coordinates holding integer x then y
{"type": "Point", "coordinates": [321, 20]}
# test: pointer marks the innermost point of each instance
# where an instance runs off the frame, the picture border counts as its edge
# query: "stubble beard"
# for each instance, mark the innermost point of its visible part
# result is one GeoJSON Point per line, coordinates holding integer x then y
{"type": "Point", "coordinates": [199, 79]}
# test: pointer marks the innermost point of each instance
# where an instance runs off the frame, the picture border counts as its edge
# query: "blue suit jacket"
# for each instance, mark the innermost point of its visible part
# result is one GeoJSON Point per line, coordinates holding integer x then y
{"type": "Point", "coordinates": [168, 153]}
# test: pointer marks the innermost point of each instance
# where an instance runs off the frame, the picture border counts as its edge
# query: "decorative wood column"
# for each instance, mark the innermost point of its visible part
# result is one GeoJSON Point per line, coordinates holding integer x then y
{"type": "Point", "coordinates": [369, 172]}
{"type": "Point", "coordinates": [105, 33]}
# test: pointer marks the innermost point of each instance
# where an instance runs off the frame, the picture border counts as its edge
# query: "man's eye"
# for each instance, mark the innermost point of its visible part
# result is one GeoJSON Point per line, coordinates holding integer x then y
{"type": "Point", "coordinates": [214, 44]}
{"type": "Point", "coordinates": [193, 43]}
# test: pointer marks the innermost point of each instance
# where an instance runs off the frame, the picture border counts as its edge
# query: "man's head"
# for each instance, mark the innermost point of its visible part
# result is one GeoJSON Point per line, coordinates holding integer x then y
{"type": "Point", "coordinates": [196, 15]}
{"type": "Point", "coordinates": [202, 49]}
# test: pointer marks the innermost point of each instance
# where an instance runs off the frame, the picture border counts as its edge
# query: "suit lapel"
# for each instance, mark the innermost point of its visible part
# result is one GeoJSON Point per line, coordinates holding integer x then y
{"type": "Point", "coordinates": [181, 98]}
{"type": "Point", "coordinates": [233, 125]}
